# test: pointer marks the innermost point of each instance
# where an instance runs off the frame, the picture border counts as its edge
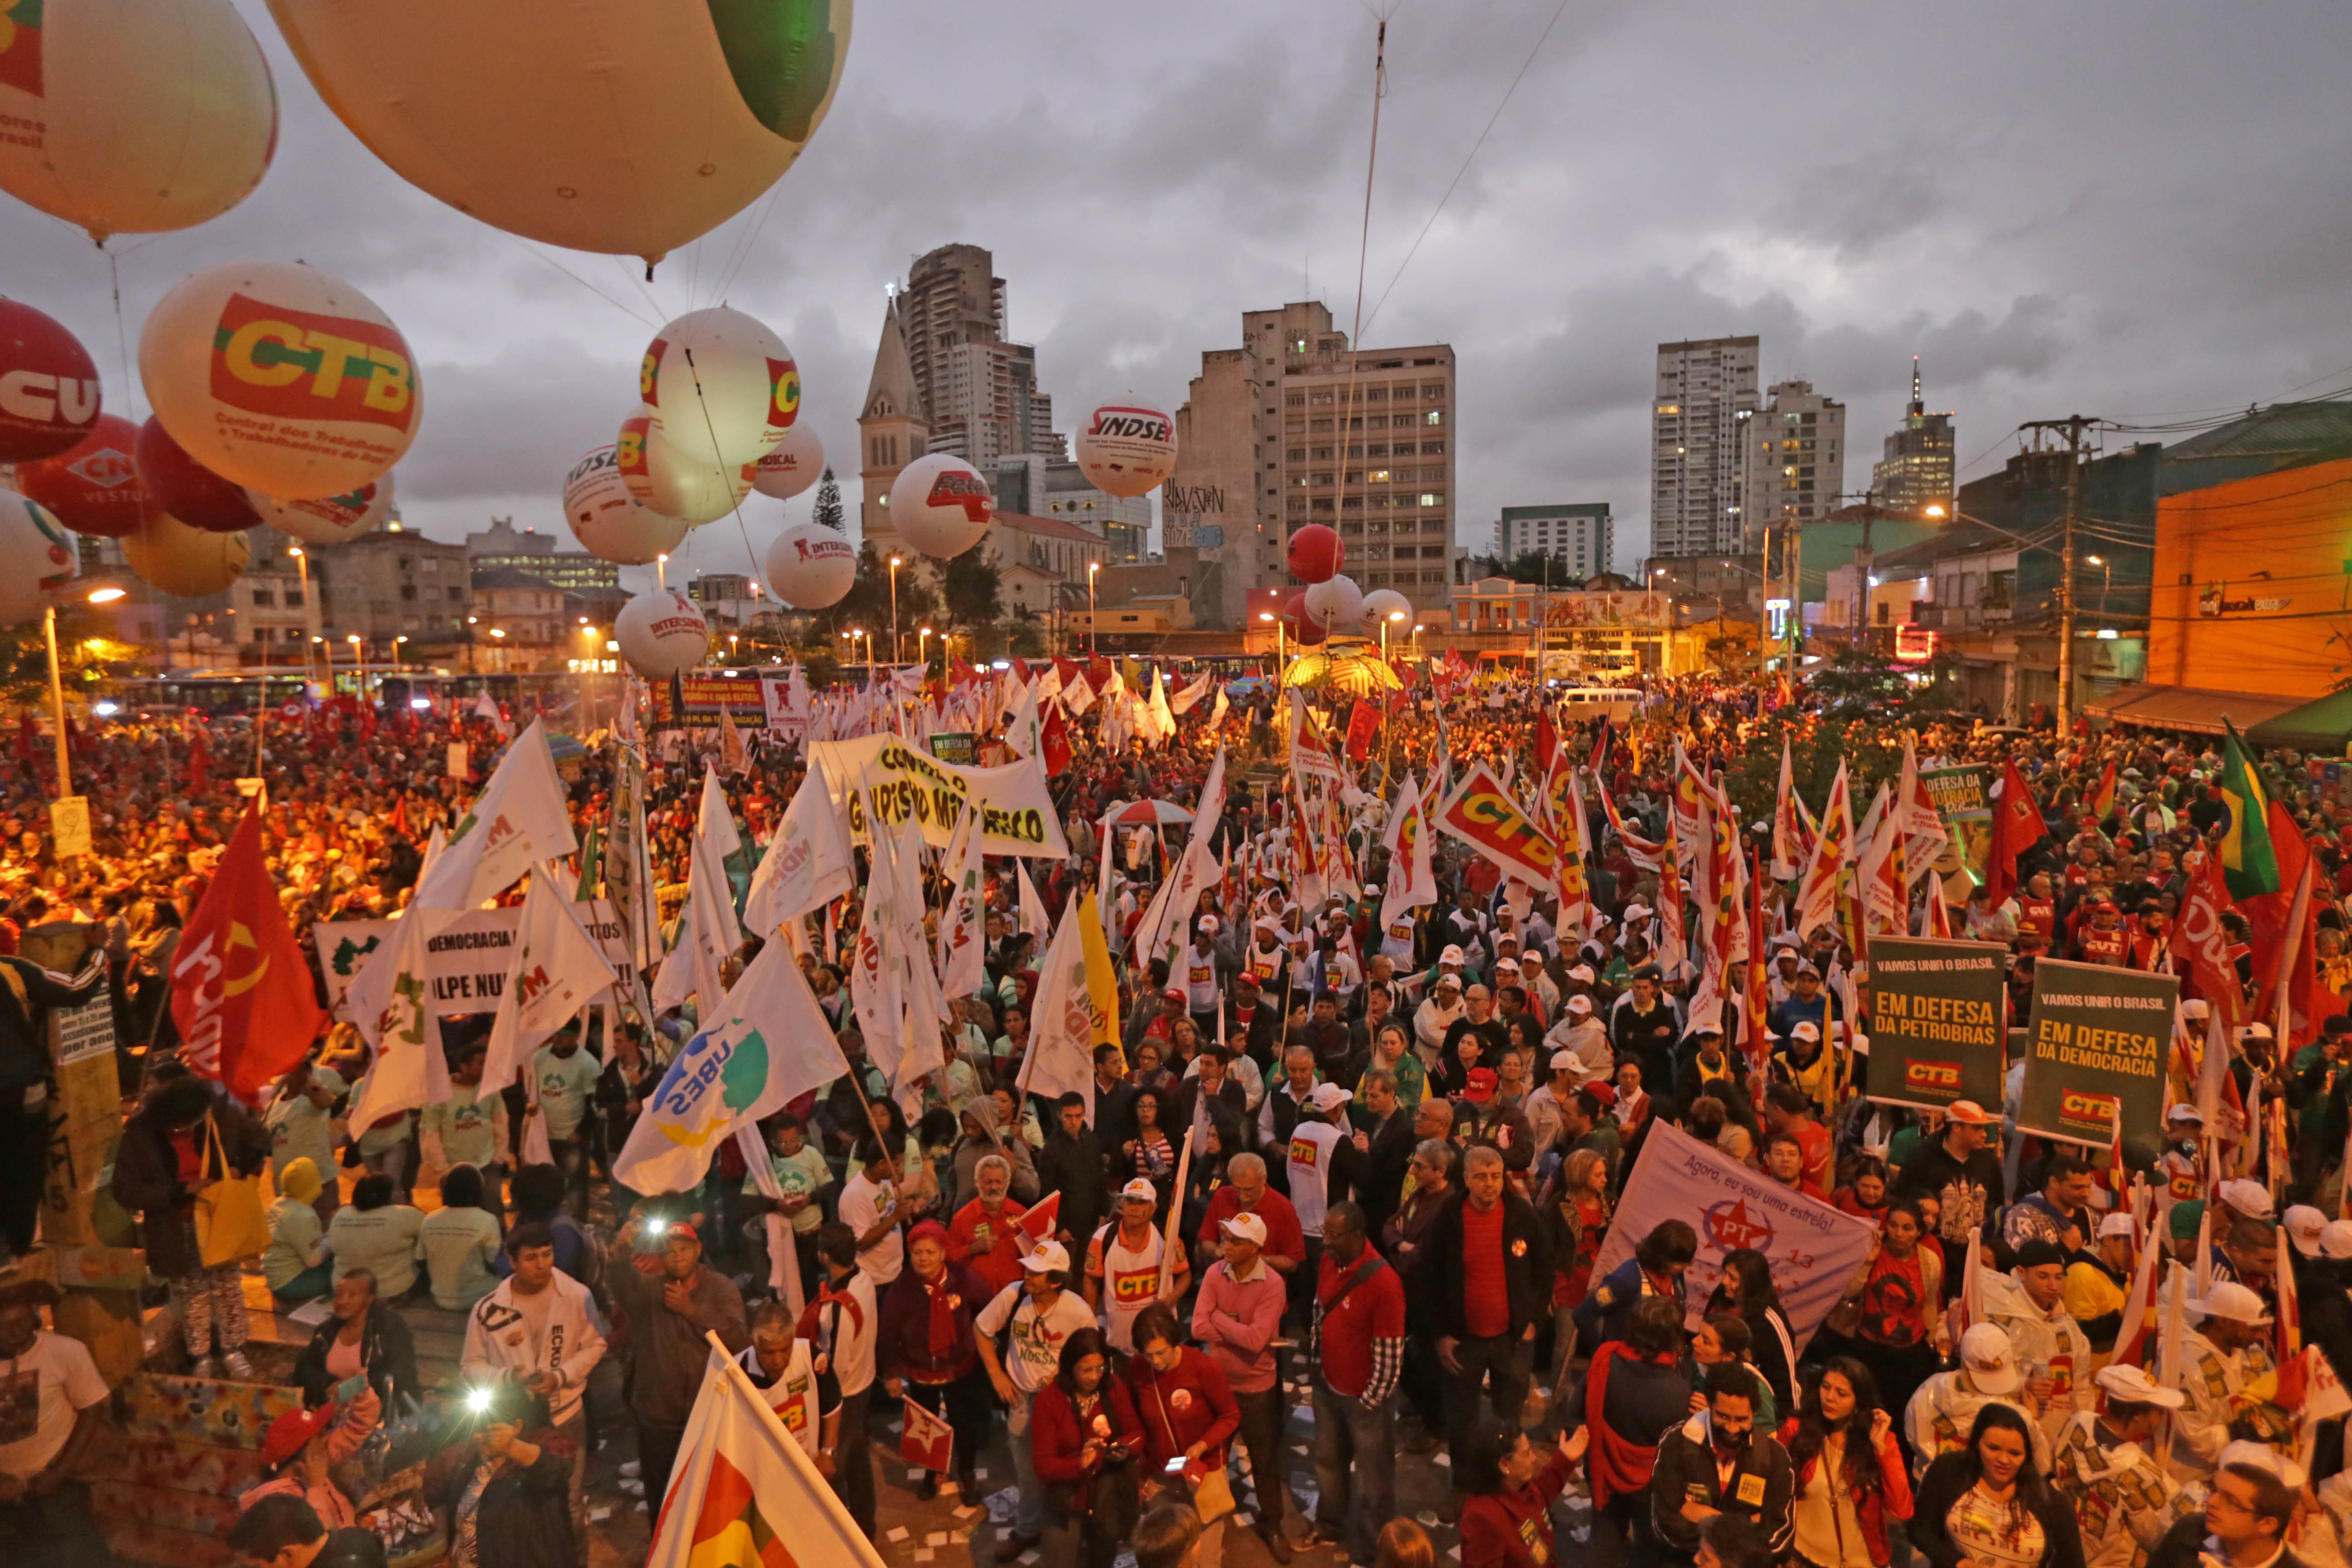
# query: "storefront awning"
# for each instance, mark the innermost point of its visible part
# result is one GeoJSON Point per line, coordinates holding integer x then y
{"type": "Point", "coordinates": [2187, 708]}
{"type": "Point", "coordinates": [2322, 726]}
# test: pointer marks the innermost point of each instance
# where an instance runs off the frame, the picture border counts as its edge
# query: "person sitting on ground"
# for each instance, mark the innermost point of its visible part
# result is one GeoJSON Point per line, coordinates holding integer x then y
{"type": "Point", "coordinates": [460, 1241]}
{"type": "Point", "coordinates": [373, 1233]}
{"type": "Point", "coordinates": [296, 1263]}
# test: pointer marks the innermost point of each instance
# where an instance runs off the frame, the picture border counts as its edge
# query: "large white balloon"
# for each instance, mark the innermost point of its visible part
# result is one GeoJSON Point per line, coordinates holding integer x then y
{"type": "Point", "coordinates": [186, 563]}
{"type": "Point", "coordinates": [1126, 450]}
{"type": "Point", "coordinates": [811, 566]}
{"type": "Point", "coordinates": [133, 116]}
{"type": "Point", "coordinates": [608, 520]}
{"type": "Point", "coordinates": [605, 125]}
{"type": "Point", "coordinates": [661, 477]}
{"type": "Point", "coordinates": [1336, 602]}
{"type": "Point", "coordinates": [720, 387]}
{"type": "Point", "coordinates": [327, 520]}
{"type": "Point", "coordinates": [942, 505]}
{"type": "Point", "coordinates": [661, 633]}
{"type": "Point", "coordinates": [792, 465]}
{"type": "Point", "coordinates": [37, 556]}
{"type": "Point", "coordinates": [1381, 604]}
{"type": "Point", "coordinates": [281, 378]}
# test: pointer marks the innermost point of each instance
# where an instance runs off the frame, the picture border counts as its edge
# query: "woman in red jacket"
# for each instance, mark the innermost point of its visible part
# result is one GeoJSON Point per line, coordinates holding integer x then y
{"type": "Point", "coordinates": [1506, 1519]}
{"type": "Point", "coordinates": [1189, 1416]}
{"type": "Point", "coordinates": [1851, 1479]}
{"type": "Point", "coordinates": [1084, 1438]}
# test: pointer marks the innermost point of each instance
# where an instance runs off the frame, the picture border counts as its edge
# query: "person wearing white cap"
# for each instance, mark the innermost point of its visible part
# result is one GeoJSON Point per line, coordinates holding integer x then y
{"type": "Point", "coordinates": [1042, 1315]}
{"type": "Point", "coordinates": [1940, 1414]}
{"type": "Point", "coordinates": [1198, 965]}
{"type": "Point", "coordinates": [2102, 1462]}
{"type": "Point", "coordinates": [2247, 1517]}
{"type": "Point", "coordinates": [2304, 1226]}
{"type": "Point", "coordinates": [1578, 1031]}
{"type": "Point", "coordinates": [1321, 1163]}
{"type": "Point", "coordinates": [2228, 1349]}
{"type": "Point", "coordinates": [2182, 1161]}
{"type": "Point", "coordinates": [1435, 1015]}
{"type": "Point", "coordinates": [1123, 1265]}
{"type": "Point", "coordinates": [2098, 1279]}
{"type": "Point", "coordinates": [2335, 1241]}
{"type": "Point", "coordinates": [2028, 1301]}
{"type": "Point", "coordinates": [1543, 1107]}
{"type": "Point", "coordinates": [1236, 1317]}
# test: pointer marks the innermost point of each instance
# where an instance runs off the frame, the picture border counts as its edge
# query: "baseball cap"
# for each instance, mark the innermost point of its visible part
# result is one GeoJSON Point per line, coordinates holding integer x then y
{"type": "Point", "coordinates": [1708, 1027]}
{"type": "Point", "coordinates": [1563, 1061]}
{"type": "Point", "coordinates": [2335, 1241]}
{"type": "Point", "coordinates": [1507, 966]}
{"type": "Point", "coordinates": [1578, 1004]}
{"type": "Point", "coordinates": [1328, 1097]}
{"type": "Point", "coordinates": [1805, 1031]}
{"type": "Point", "coordinates": [1141, 1187]}
{"type": "Point", "coordinates": [1452, 956]}
{"type": "Point", "coordinates": [2262, 1456]}
{"type": "Point", "coordinates": [1991, 1360]}
{"type": "Point", "coordinates": [291, 1432]}
{"type": "Point", "coordinates": [1637, 911]}
{"type": "Point", "coordinates": [1246, 1226]}
{"type": "Point", "coordinates": [1173, 994]}
{"type": "Point", "coordinates": [2181, 1114]}
{"type": "Point", "coordinates": [2183, 1219]}
{"type": "Point", "coordinates": [2250, 1198]}
{"type": "Point", "coordinates": [1582, 975]}
{"type": "Point", "coordinates": [1480, 1087]}
{"type": "Point", "coordinates": [2255, 1032]}
{"type": "Point", "coordinates": [1210, 923]}
{"type": "Point", "coordinates": [2195, 1007]}
{"type": "Point", "coordinates": [2232, 1300]}
{"type": "Point", "coordinates": [2132, 1386]}
{"type": "Point", "coordinates": [2118, 1224]}
{"type": "Point", "coordinates": [1047, 1258]}
{"type": "Point", "coordinates": [2304, 1227]}
{"type": "Point", "coordinates": [1448, 982]}
{"type": "Point", "coordinates": [1968, 1113]}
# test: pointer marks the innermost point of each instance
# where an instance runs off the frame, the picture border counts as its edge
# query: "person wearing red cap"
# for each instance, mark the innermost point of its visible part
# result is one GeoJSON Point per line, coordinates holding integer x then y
{"type": "Point", "coordinates": [926, 1349]}
{"type": "Point", "coordinates": [673, 1304]}
{"type": "Point", "coordinates": [302, 1449]}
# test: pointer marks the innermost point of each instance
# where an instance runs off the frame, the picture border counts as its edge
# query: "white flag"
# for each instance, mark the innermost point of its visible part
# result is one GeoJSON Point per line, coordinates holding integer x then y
{"type": "Point", "coordinates": [963, 931]}
{"type": "Point", "coordinates": [557, 968]}
{"type": "Point", "coordinates": [1033, 908]}
{"type": "Point", "coordinates": [521, 818]}
{"type": "Point", "coordinates": [1412, 875]}
{"type": "Point", "coordinates": [388, 1001]}
{"type": "Point", "coordinates": [770, 1045]}
{"type": "Point", "coordinates": [1170, 931]}
{"type": "Point", "coordinates": [710, 932]}
{"type": "Point", "coordinates": [807, 862]}
{"type": "Point", "coordinates": [1184, 700]}
{"type": "Point", "coordinates": [1060, 1042]}
{"type": "Point", "coordinates": [1026, 733]}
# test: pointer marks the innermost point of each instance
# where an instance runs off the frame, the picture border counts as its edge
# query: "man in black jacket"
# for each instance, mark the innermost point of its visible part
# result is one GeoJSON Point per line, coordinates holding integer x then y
{"type": "Point", "coordinates": [29, 992]}
{"type": "Point", "coordinates": [1483, 1285]}
{"type": "Point", "coordinates": [1388, 1145]}
{"type": "Point", "coordinates": [1071, 1164]}
{"type": "Point", "coordinates": [1957, 1170]}
{"type": "Point", "coordinates": [1716, 1463]}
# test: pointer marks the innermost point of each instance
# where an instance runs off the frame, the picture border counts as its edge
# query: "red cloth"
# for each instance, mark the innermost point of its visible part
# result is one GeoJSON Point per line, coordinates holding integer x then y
{"type": "Point", "coordinates": [1513, 1528]}
{"type": "Point", "coordinates": [1000, 1264]}
{"type": "Point", "coordinates": [1615, 1467]}
{"type": "Point", "coordinates": [1374, 1309]}
{"type": "Point", "coordinates": [1059, 1435]}
{"type": "Point", "coordinates": [1284, 1239]}
{"type": "Point", "coordinates": [1191, 1404]}
{"type": "Point", "coordinates": [1485, 1294]}
{"type": "Point", "coordinates": [1871, 1509]}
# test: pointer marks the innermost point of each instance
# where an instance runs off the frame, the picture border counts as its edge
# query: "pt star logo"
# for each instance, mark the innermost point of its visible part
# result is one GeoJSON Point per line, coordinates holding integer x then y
{"type": "Point", "coordinates": [1731, 1226]}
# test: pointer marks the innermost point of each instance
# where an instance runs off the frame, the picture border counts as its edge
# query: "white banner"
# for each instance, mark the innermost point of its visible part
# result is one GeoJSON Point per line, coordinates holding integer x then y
{"type": "Point", "coordinates": [1814, 1249]}
{"type": "Point", "coordinates": [1016, 811]}
{"type": "Point", "coordinates": [466, 961]}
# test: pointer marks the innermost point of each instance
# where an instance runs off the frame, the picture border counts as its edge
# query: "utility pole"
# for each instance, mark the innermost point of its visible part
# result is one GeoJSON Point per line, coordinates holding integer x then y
{"type": "Point", "coordinates": [2073, 424]}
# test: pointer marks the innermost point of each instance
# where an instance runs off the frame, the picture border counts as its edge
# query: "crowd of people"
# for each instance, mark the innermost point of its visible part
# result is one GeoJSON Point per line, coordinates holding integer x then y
{"type": "Point", "coordinates": [1364, 1167]}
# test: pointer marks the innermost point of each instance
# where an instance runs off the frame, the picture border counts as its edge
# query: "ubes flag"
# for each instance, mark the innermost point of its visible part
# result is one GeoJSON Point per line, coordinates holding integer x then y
{"type": "Point", "coordinates": [241, 994]}
{"type": "Point", "coordinates": [742, 1489]}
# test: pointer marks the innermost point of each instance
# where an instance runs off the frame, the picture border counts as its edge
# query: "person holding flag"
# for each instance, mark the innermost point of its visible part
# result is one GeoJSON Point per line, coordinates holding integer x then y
{"type": "Point", "coordinates": [927, 1352]}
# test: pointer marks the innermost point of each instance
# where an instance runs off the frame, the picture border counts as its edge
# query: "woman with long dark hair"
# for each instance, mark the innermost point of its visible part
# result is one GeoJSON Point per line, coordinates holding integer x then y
{"type": "Point", "coordinates": [1747, 1290]}
{"type": "Point", "coordinates": [1984, 1503]}
{"type": "Point", "coordinates": [1084, 1438]}
{"type": "Point", "coordinates": [1850, 1478]}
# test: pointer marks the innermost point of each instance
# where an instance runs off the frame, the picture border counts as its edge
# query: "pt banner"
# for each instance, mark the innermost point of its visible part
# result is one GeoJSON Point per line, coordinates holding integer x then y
{"type": "Point", "coordinates": [1814, 1249]}
{"type": "Point", "coordinates": [2095, 1051]}
{"type": "Point", "coordinates": [1935, 1021]}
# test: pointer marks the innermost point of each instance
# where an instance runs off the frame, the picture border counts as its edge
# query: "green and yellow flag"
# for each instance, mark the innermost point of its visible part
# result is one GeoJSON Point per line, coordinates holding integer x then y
{"type": "Point", "coordinates": [2249, 865]}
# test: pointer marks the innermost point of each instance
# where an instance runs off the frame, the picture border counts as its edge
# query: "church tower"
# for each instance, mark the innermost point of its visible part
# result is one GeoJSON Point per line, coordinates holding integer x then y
{"type": "Point", "coordinates": [892, 430]}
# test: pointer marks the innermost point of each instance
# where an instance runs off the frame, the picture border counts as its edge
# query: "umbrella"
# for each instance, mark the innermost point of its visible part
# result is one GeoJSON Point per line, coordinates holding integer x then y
{"type": "Point", "coordinates": [1346, 665]}
{"type": "Point", "coordinates": [1145, 812]}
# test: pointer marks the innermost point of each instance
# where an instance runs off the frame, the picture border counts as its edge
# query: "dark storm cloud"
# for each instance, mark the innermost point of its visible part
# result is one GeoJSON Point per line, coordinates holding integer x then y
{"type": "Point", "coordinates": [2127, 209]}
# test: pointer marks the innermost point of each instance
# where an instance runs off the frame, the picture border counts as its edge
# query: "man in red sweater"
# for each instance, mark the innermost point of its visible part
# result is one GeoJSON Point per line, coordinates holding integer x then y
{"type": "Point", "coordinates": [1359, 1349]}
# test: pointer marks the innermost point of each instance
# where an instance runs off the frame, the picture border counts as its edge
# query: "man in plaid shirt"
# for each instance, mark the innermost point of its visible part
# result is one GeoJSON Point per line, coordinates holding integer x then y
{"type": "Point", "coordinates": [1359, 1349]}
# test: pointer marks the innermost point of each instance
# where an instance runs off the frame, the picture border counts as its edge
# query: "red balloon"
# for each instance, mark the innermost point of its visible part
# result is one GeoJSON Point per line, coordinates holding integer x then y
{"type": "Point", "coordinates": [1305, 629]}
{"type": "Point", "coordinates": [178, 484]}
{"type": "Point", "coordinates": [49, 387]}
{"type": "Point", "coordinates": [94, 488]}
{"type": "Point", "coordinates": [1316, 554]}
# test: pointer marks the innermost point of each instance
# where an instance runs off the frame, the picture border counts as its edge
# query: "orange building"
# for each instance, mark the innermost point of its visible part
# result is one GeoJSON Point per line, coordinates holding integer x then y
{"type": "Point", "coordinates": [2252, 584]}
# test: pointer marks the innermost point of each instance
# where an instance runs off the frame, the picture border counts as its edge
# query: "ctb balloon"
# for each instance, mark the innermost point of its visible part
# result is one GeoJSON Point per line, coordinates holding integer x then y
{"type": "Point", "coordinates": [133, 116]}
{"type": "Point", "coordinates": [1315, 553]}
{"type": "Point", "coordinates": [37, 558]}
{"type": "Point", "coordinates": [942, 505]}
{"type": "Point", "coordinates": [791, 465]}
{"type": "Point", "coordinates": [1126, 450]}
{"type": "Point", "coordinates": [811, 566]}
{"type": "Point", "coordinates": [49, 388]}
{"type": "Point", "coordinates": [92, 487]}
{"type": "Point", "coordinates": [720, 387]}
{"type": "Point", "coordinates": [281, 378]}
{"type": "Point", "coordinates": [661, 633]}
{"type": "Point", "coordinates": [608, 520]}
{"type": "Point", "coordinates": [327, 520]}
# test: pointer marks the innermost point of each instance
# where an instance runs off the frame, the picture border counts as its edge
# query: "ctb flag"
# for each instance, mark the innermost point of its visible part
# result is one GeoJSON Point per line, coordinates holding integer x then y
{"type": "Point", "coordinates": [241, 992]}
{"type": "Point", "coordinates": [925, 1439]}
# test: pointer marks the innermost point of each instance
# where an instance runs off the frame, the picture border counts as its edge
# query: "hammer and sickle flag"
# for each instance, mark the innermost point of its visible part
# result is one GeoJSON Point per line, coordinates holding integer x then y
{"type": "Point", "coordinates": [241, 993]}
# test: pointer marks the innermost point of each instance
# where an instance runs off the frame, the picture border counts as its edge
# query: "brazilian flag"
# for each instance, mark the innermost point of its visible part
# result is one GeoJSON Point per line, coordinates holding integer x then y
{"type": "Point", "coordinates": [2249, 865]}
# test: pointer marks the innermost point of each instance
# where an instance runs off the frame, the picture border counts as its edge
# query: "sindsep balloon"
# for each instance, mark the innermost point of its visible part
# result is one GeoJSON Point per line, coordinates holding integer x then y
{"type": "Point", "coordinates": [791, 465]}
{"type": "Point", "coordinates": [49, 388]}
{"type": "Point", "coordinates": [942, 505]}
{"type": "Point", "coordinates": [281, 378]}
{"type": "Point", "coordinates": [603, 125]}
{"type": "Point", "coordinates": [608, 520]}
{"type": "Point", "coordinates": [811, 566]}
{"type": "Point", "coordinates": [661, 633]}
{"type": "Point", "coordinates": [93, 488]}
{"type": "Point", "coordinates": [327, 520]}
{"type": "Point", "coordinates": [172, 558]}
{"type": "Point", "coordinates": [37, 558]}
{"type": "Point", "coordinates": [133, 116]}
{"type": "Point", "coordinates": [720, 386]}
{"type": "Point", "coordinates": [1126, 450]}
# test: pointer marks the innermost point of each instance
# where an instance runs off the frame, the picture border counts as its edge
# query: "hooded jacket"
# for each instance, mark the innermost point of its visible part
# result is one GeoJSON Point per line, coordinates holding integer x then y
{"type": "Point", "coordinates": [969, 1151]}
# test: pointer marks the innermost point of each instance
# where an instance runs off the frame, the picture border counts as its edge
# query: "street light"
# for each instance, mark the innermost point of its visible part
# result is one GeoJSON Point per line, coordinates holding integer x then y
{"type": "Point", "coordinates": [302, 569]}
{"type": "Point", "coordinates": [895, 646]}
{"type": "Point", "coordinates": [1093, 631]}
{"type": "Point", "coordinates": [1270, 615]}
{"type": "Point", "coordinates": [2107, 579]}
{"type": "Point", "coordinates": [359, 670]}
{"type": "Point", "coordinates": [395, 649]}
{"type": "Point", "coordinates": [923, 647]}
{"type": "Point", "coordinates": [57, 684]}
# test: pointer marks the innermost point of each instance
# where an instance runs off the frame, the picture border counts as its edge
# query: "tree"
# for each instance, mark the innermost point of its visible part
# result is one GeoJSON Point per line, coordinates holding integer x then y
{"type": "Point", "coordinates": [867, 605]}
{"type": "Point", "coordinates": [85, 653]}
{"type": "Point", "coordinates": [970, 583]}
{"type": "Point", "coordinates": [1527, 566]}
{"type": "Point", "coordinates": [828, 504]}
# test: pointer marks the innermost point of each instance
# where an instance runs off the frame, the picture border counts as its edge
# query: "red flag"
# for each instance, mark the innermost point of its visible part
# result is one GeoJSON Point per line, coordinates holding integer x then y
{"type": "Point", "coordinates": [2103, 799]}
{"type": "Point", "coordinates": [1053, 741]}
{"type": "Point", "coordinates": [2212, 973]}
{"type": "Point", "coordinates": [241, 993]}
{"type": "Point", "coordinates": [26, 732]}
{"type": "Point", "coordinates": [1546, 744]}
{"type": "Point", "coordinates": [399, 823]}
{"type": "Point", "coordinates": [1043, 1218]}
{"type": "Point", "coordinates": [1756, 1035]}
{"type": "Point", "coordinates": [925, 1439]}
{"type": "Point", "coordinates": [1363, 729]}
{"type": "Point", "coordinates": [2017, 826]}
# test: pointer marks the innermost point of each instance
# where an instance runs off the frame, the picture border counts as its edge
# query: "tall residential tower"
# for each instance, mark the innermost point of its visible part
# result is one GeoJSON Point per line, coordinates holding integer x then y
{"type": "Point", "coordinates": [1705, 396]}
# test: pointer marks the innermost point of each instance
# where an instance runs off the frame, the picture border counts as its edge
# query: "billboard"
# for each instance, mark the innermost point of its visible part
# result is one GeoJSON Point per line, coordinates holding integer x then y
{"type": "Point", "coordinates": [2095, 1051]}
{"type": "Point", "coordinates": [1935, 1021]}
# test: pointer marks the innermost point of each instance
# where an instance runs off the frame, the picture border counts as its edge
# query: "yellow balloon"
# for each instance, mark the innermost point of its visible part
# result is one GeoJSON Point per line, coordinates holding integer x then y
{"type": "Point", "coordinates": [185, 563]}
{"type": "Point", "coordinates": [603, 125]}
{"type": "Point", "coordinates": [133, 116]}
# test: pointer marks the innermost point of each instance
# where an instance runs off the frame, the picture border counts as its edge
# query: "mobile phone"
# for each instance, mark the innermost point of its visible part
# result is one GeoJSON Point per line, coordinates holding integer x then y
{"type": "Point", "coordinates": [1176, 1465]}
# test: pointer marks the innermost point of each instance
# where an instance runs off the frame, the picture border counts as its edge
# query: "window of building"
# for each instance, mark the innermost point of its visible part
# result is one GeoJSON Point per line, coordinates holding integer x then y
{"type": "Point", "coordinates": [429, 566]}
{"type": "Point", "coordinates": [1431, 498]}
{"type": "Point", "coordinates": [1294, 400]}
{"type": "Point", "coordinates": [408, 590]}
{"type": "Point", "coordinates": [1433, 392]}
{"type": "Point", "coordinates": [1377, 394]}
{"type": "Point", "coordinates": [1436, 416]}
{"type": "Point", "coordinates": [263, 599]}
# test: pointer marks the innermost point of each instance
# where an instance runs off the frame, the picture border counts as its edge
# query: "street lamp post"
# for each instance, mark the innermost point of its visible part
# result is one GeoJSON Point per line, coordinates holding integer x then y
{"type": "Point", "coordinates": [923, 636]}
{"type": "Point", "coordinates": [396, 650]}
{"type": "Point", "coordinates": [897, 649]}
{"type": "Point", "coordinates": [1093, 631]}
{"type": "Point", "coordinates": [58, 683]}
{"type": "Point", "coordinates": [358, 668]}
{"type": "Point", "coordinates": [2106, 580]}
{"type": "Point", "coordinates": [1270, 615]}
{"type": "Point", "coordinates": [302, 570]}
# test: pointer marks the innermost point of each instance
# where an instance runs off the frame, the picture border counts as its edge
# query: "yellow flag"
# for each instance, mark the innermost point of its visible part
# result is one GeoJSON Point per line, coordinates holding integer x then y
{"type": "Point", "coordinates": [1101, 1002]}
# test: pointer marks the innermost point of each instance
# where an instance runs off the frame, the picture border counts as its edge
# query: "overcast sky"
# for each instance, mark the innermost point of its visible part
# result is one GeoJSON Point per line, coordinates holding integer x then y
{"type": "Point", "coordinates": [2131, 210]}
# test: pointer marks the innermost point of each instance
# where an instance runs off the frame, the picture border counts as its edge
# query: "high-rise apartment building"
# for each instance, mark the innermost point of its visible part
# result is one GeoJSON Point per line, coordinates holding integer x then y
{"type": "Point", "coordinates": [1295, 427]}
{"type": "Point", "coordinates": [1579, 535]}
{"type": "Point", "coordinates": [1916, 470]}
{"type": "Point", "coordinates": [1796, 459]}
{"type": "Point", "coordinates": [979, 391]}
{"type": "Point", "coordinates": [1706, 395]}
